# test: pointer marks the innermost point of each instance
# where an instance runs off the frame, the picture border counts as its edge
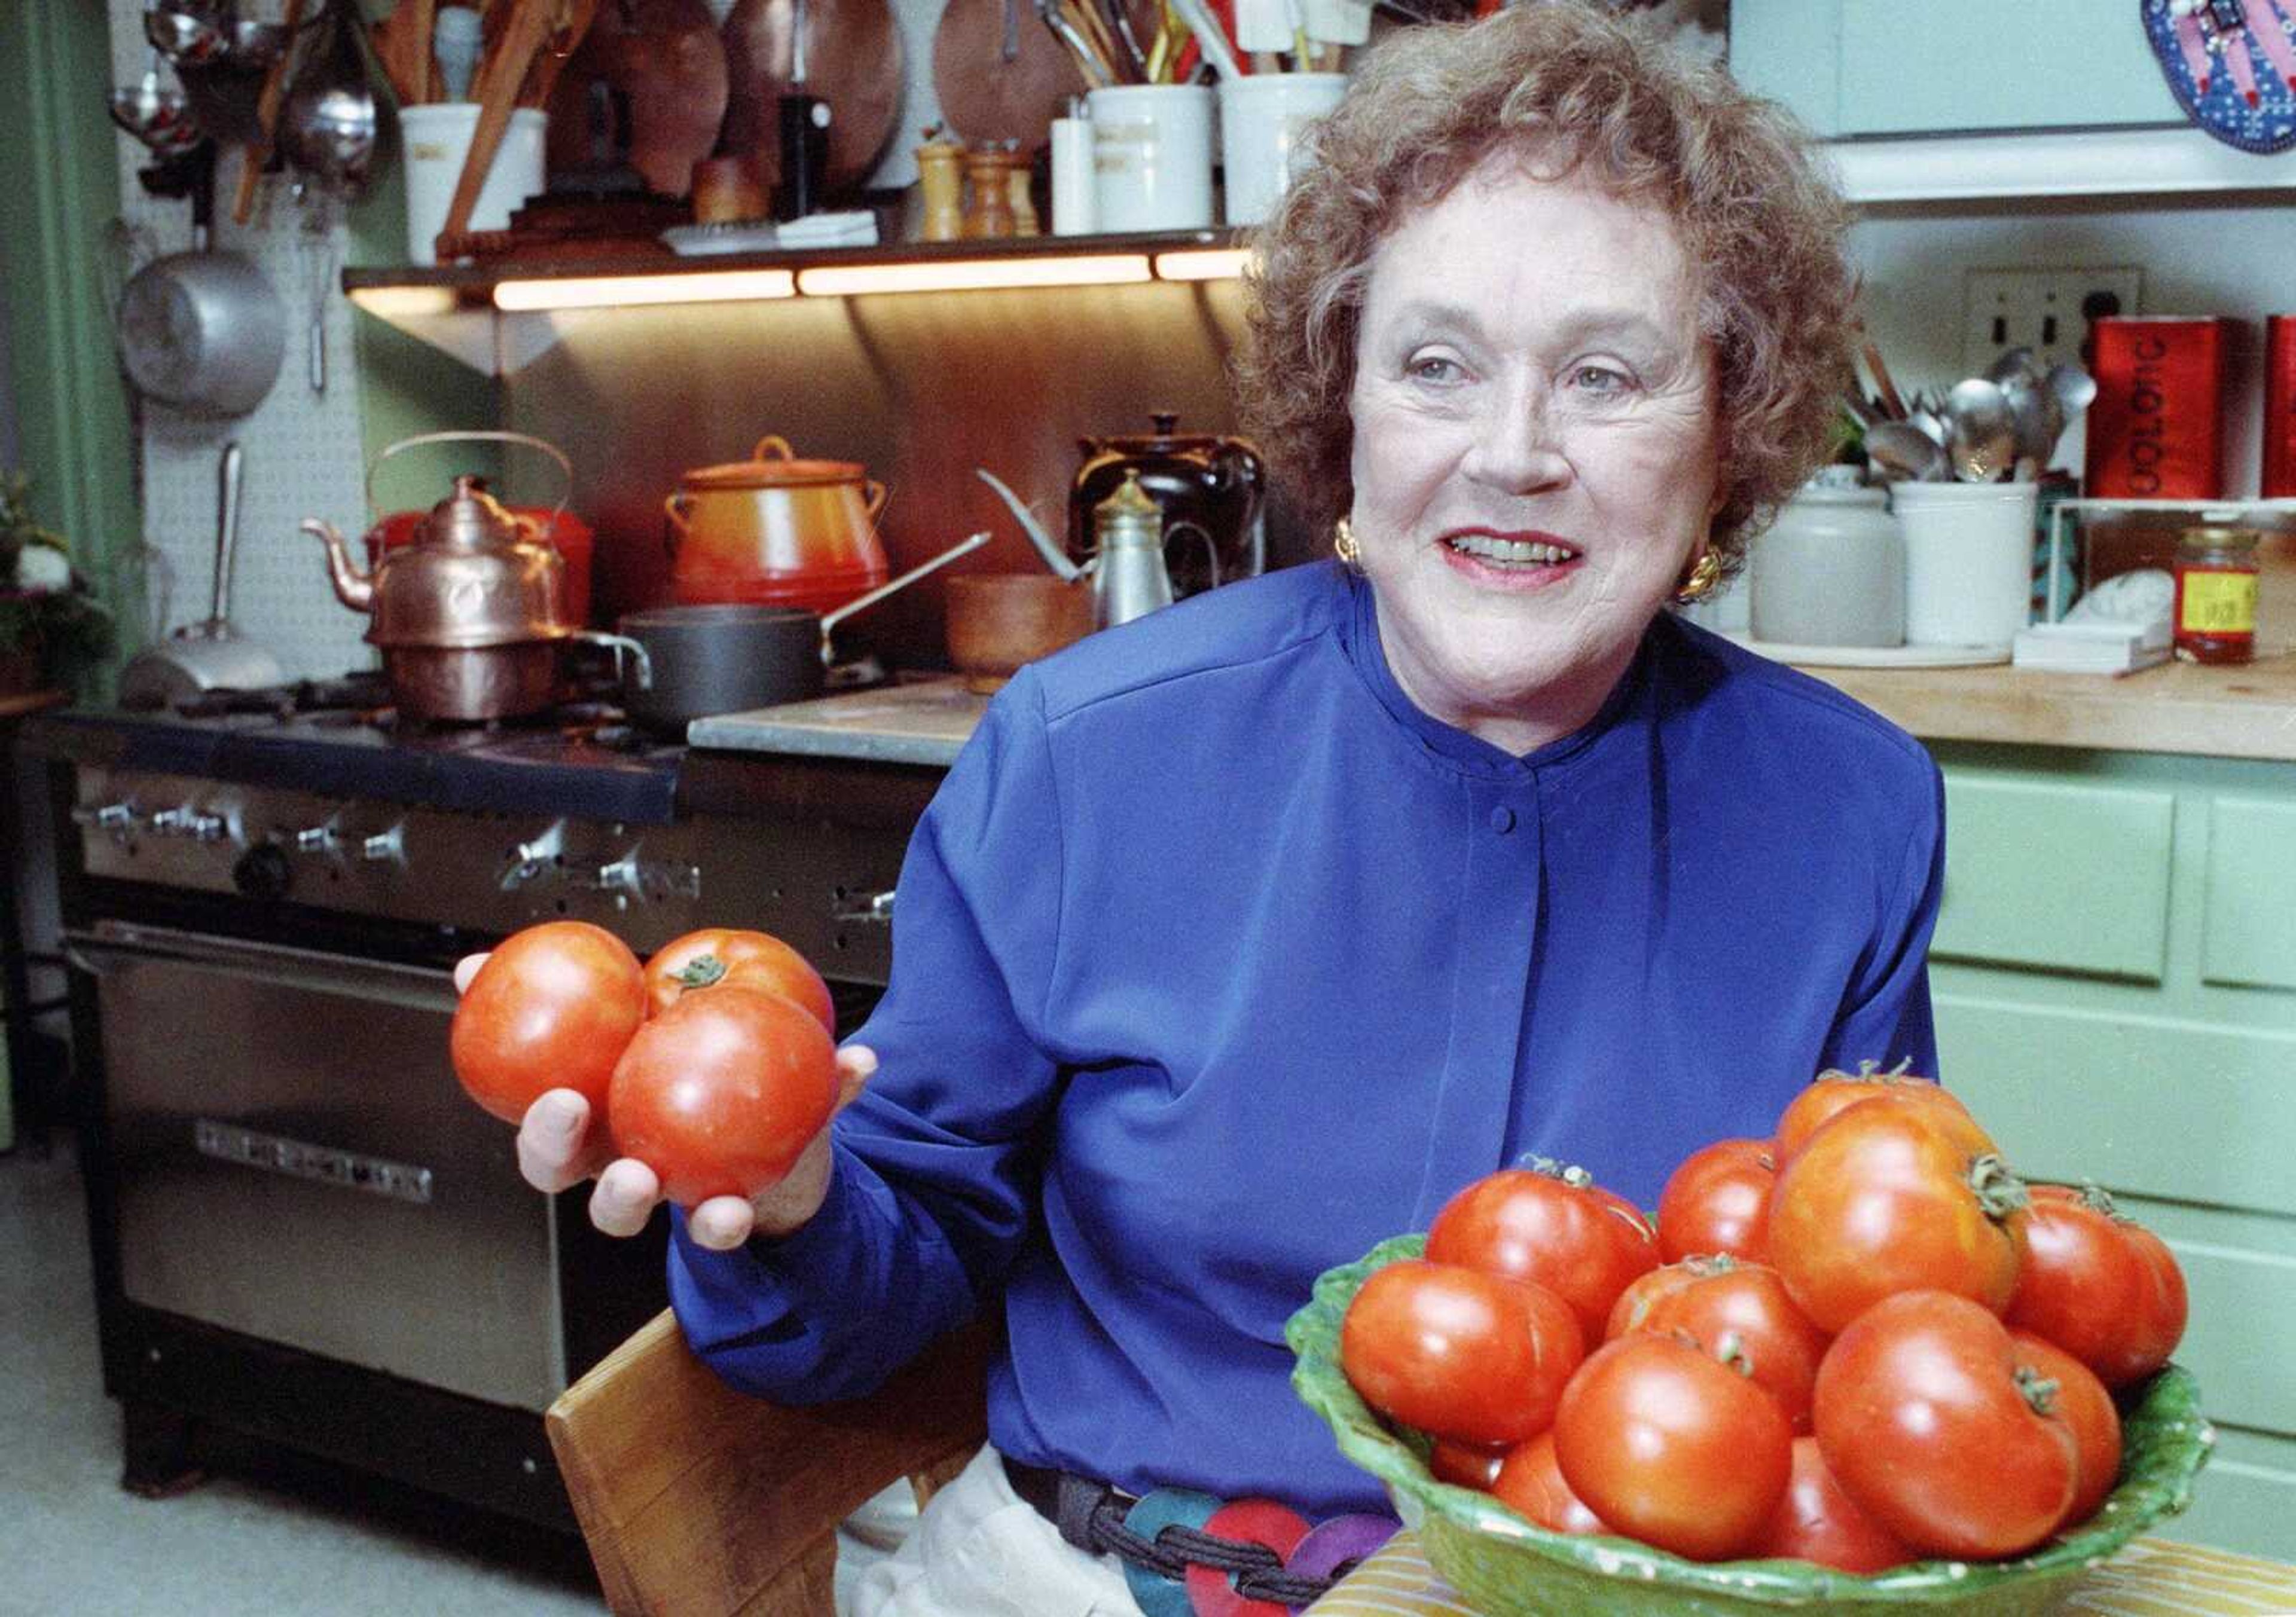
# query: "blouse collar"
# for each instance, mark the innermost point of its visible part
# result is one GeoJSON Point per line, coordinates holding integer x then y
{"type": "Point", "coordinates": [1360, 640]}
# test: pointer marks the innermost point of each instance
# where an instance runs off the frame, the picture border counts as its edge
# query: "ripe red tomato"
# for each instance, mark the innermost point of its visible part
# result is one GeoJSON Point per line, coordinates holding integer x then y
{"type": "Point", "coordinates": [1815, 1521]}
{"type": "Point", "coordinates": [1458, 1353]}
{"type": "Point", "coordinates": [1531, 1484]}
{"type": "Point", "coordinates": [1548, 1223]}
{"type": "Point", "coordinates": [1636, 1302]}
{"type": "Point", "coordinates": [1718, 1200]}
{"type": "Point", "coordinates": [1467, 1464]}
{"type": "Point", "coordinates": [1673, 1447]}
{"type": "Point", "coordinates": [2079, 1398]}
{"type": "Point", "coordinates": [720, 1093]}
{"type": "Point", "coordinates": [551, 1008]}
{"type": "Point", "coordinates": [1927, 1421]}
{"type": "Point", "coordinates": [1741, 1311]}
{"type": "Point", "coordinates": [2100, 1286]}
{"type": "Point", "coordinates": [724, 955]}
{"type": "Point", "coordinates": [1832, 1093]}
{"type": "Point", "coordinates": [1882, 1200]}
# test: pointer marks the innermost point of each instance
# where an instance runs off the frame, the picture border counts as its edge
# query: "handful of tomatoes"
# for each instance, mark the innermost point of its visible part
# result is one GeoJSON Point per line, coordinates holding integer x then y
{"type": "Point", "coordinates": [1859, 1343]}
{"type": "Point", "coordinates": [714, 1062]}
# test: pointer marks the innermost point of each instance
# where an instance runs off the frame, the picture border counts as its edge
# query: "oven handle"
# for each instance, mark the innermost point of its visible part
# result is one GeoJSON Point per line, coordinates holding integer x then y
{"type": "Point", "coordinates": [387, 981]}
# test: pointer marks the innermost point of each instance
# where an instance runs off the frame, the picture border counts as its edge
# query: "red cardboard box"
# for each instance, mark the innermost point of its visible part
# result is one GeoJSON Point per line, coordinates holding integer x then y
{"type": "Point", "coordinates": [2156, 428]}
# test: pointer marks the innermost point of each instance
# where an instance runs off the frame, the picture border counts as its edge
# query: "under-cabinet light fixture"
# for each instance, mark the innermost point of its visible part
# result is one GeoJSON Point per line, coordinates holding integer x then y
{"type": "Point", "coordinates": [1203, 264]}
{"type": "Point", "coordinates": [971, 275]}
{"type": "Point", "coordinates": [403, 302]}
{"type": "Point", "coordinates": [619, 291]}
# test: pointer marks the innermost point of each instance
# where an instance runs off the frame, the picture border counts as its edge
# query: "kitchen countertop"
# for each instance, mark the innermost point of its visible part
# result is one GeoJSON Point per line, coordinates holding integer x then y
{"type": "Point", "coordinates": [2244, 712]}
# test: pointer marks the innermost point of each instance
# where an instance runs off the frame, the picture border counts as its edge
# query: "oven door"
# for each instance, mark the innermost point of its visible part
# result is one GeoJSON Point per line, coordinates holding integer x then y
{"type": "Point", "coordinates": [294, 1160]}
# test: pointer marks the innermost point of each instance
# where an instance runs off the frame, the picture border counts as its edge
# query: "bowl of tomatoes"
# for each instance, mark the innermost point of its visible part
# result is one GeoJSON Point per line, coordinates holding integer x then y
{"type": "Point", "coordinates": [1506, 1564]}
{"type": "Point", "coordinates": [1857, 1364]}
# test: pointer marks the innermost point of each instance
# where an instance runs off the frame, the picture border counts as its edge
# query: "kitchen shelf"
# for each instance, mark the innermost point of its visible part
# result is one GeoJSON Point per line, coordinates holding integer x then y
{"type": "Point", "coordinates": [453, 306]}
{"type": "Point", "coordinates": [2171, 160]}
{"type": "Point", "coordinates": [460, 308]}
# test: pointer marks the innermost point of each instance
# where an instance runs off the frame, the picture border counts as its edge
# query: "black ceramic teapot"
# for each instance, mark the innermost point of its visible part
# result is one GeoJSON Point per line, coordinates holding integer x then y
{"type": "Point", "coordinates": [1209, 487]}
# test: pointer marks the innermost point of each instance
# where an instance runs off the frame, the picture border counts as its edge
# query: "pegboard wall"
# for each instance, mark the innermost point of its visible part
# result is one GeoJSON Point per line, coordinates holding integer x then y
{"type": "Point", "coordinates": [302, 451]}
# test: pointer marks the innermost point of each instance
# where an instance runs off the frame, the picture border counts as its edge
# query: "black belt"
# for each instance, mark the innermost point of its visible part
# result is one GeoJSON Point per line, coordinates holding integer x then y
{"type": "Point", "coordinates": [1090, 1515]}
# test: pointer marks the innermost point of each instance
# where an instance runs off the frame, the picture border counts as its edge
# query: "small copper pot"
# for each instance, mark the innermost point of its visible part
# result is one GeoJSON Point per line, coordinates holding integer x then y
{"type": "Point", "coordinates": [998, 622]}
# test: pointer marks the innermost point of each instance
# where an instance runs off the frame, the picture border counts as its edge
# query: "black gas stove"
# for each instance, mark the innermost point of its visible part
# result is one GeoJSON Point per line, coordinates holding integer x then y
{"type": "Point", "coordinates": [304, 1231]}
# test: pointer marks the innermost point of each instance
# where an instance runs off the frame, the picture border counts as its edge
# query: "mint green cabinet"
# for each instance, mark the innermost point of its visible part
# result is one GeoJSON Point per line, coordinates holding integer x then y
{"type": "Point", "coordinates": [2115, 978]}
{"type": "Point", "coordinates": [1886, 67]}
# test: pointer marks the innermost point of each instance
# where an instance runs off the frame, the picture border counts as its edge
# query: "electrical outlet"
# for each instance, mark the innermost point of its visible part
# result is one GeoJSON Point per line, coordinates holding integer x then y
{"type": "Point", "coordinates": [2046, 310]}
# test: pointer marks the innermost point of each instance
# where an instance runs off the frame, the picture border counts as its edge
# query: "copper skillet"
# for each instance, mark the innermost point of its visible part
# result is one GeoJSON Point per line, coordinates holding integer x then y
{"type": "Point", "coordinates": [853, 60]}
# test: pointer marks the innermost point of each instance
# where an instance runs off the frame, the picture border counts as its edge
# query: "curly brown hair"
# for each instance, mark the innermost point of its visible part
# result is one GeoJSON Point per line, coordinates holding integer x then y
{"type": "Point", "coordinates": [1570, 88]}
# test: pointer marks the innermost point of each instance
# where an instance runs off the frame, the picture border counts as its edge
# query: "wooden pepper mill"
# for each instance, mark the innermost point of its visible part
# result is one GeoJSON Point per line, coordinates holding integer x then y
{"type": "Point", "coordinates": [940, 185]}
{"type": "Point", "coordinates": [988, 201]}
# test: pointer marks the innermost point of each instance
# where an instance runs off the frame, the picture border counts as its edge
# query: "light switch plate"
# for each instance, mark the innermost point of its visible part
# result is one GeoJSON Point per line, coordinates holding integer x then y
{"type": "Point", "coordinates": [2037, 308]}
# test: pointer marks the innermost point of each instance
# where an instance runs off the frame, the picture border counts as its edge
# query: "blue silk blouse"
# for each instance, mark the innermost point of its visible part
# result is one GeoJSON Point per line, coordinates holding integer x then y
{"type": "Point", "coordinates": [1216, 961]}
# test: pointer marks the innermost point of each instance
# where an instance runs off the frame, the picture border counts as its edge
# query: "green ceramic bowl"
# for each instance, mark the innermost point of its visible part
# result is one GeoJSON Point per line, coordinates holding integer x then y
{"type": "Point", "coordinates": [1507, 1566]}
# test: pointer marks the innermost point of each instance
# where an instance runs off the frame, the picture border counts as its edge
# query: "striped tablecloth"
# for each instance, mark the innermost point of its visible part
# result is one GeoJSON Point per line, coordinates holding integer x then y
{"type": "Point", "coordinates": [2152, 1577]}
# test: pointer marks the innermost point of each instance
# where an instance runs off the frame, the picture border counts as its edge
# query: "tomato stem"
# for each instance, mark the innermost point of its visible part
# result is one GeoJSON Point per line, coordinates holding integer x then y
{"type": "Point", "coordinates": [701, 971]}
{"type": "Point", "coordinates": [1998, 1191]}
{"type": "Point", "coordinates": [2039, 1391]}
{"type": "Point", "coordinates": [1569, 1173]}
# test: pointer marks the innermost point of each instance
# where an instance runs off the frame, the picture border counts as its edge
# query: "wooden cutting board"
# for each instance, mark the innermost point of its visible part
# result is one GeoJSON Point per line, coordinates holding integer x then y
{"type": "Point", "coordinates": [988, 96]}
{"type": "Point", "coordinates": [650, 80]}
{"type": "Point", "coordinates": [853, 61]}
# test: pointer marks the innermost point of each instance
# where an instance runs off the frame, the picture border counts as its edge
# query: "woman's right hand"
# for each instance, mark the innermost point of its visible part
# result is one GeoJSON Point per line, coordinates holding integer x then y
{"type": "Point", "coordinates": [558, 1148]}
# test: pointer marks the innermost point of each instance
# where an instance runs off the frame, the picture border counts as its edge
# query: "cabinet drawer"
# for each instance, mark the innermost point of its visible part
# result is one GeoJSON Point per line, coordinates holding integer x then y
{"type": "Point", "coordinates": [2069, 877]}
{"type": "Point", "coordinates": [1885, 68]}
{"type": "Point", "coordinates": [2248, 938]}
{"type": "Point", "coordinates": [2245, 1499]}
{"type": "Point", "coordinates": [2145, 1104]}
{"type": "Point", "coordinates": [2240, 1272]}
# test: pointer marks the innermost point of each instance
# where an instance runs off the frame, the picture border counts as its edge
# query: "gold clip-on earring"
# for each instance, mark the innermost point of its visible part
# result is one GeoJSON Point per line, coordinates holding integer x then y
{"type": "Point", "coordinates": [1344, 545]}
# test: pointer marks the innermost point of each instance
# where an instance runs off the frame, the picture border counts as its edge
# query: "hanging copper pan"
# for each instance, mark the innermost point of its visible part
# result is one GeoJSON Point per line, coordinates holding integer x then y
{"type": "Point", "coordinates": [647, 87]}
{"type": "Point", "coordinates": [853, 61]}
{"type": "Point", "coordinates": [999, 73]}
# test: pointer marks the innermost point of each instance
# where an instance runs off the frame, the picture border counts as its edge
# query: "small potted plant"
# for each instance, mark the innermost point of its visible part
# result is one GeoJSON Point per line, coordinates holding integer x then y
{"type": "Point", "coordinates": [51, 626]}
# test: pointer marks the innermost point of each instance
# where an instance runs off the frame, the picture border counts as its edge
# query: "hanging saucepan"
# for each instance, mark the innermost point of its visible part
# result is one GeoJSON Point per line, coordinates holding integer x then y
{"type": "Point", "coordinates": [729, 657]}
{"type": "Point", "coordinates": [203, 331]}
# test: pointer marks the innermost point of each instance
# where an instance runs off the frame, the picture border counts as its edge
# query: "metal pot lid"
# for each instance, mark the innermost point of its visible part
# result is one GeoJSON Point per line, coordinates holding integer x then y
{"type": "Point", "coordinates": [773, 465]}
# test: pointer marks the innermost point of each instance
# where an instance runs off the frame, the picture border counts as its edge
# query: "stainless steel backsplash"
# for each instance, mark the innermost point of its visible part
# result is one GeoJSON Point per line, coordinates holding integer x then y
{"type": "Point", "coordinates": [919, 388]}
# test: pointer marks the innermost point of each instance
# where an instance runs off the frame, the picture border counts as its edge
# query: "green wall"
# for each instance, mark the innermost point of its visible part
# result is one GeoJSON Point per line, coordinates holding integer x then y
{"type": "Point", "coordinates": [61, 194]}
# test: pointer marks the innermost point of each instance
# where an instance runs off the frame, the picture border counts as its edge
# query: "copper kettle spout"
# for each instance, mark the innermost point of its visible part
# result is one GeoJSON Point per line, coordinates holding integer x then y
{"type": "Point", "coordinates": [353, 588]}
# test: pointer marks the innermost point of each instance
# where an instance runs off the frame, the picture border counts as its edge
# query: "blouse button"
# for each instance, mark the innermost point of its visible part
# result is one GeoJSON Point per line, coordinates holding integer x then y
{"type": "Point", "coordinates": [1502, 820]}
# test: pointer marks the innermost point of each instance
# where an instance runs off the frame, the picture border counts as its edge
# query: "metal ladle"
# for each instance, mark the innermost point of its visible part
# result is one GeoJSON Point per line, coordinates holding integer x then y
{"type": "Point", "coordinates": [195, 31]}
{"type": "Point", "coordinates": [1981, 434]}
{"type": "Point", "coordinates": [154, 113]}
{"type": "Point", "coordinates": [330, 124]}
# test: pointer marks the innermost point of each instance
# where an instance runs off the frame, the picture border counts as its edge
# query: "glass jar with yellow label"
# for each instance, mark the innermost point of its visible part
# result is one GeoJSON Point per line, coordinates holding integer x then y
{"type": "Point", "coordinates": [2216, 594]}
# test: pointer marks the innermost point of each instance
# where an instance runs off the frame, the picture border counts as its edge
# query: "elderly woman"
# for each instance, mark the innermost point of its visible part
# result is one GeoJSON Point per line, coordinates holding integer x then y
{"type": "Point", "coordinates": [1239, 938]}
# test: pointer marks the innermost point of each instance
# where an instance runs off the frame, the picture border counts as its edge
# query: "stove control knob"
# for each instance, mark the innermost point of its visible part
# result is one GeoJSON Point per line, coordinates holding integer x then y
{"type": "Point", "coordinates": [263, 871]}
{"type": "Point", "coordinates": [385, 847]}
{"type": "Point", "coordinates": [188, 822]}
{"type": "Point", "coordinates": [115, 820]}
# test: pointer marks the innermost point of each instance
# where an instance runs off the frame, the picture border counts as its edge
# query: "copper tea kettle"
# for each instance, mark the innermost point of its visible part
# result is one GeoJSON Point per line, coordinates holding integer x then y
{"type": "Point", "coordinates": [470, 618]}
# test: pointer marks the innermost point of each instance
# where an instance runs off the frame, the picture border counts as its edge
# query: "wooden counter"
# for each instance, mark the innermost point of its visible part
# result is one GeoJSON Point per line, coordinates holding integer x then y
{"type": "Point", "coordinates": [2176, 707]}
{"type": "Point", "coordinates": [2247, 712]}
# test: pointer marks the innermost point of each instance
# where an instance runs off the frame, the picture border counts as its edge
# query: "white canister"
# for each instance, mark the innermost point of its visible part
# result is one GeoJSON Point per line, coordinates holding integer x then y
{"type": "Point", "coordinates": [1076, 210]}
{"type": "Point", "coordinates": [1832, 570]}
{"type": "Point", "coordinates": [438, 138]}
{"type": "Point", "coordinates": [1262, 117]}
{"type": "Point", "coordinates": [1152, 157]}
{"type": "Point", "coordinates": [1969, 562]}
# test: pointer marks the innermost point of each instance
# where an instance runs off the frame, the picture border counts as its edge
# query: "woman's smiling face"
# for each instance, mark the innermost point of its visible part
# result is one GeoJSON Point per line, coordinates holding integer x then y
{"type": "Point", "coordinates": [1535, 457]}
